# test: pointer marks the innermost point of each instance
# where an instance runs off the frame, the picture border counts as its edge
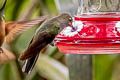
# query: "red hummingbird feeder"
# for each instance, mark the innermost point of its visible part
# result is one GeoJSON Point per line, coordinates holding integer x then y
{"type": "Point", "coordinates": [94, 30]}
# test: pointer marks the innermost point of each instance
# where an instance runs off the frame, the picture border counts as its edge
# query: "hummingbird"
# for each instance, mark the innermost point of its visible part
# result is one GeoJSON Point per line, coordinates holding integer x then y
{"type": "Point", "coordinates": [43, 36]}
{"type": "Point", "coordinates": [10, 30]}
{"type": "Point", "coordinates": [7, 56]}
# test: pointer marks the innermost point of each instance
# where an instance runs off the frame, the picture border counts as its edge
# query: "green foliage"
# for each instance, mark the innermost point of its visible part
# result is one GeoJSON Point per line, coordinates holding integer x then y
{"type": "Point", "coordinates": [9, 72]}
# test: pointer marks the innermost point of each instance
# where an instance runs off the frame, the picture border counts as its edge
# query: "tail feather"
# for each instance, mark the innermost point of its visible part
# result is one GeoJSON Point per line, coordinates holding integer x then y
{"type": "Point", "coordinates": [29, 64]}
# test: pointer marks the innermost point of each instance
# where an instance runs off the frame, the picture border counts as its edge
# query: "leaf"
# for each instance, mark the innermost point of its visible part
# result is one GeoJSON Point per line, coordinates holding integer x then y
{"type": "Point", "coordinates": [9, 72]}
{"type": "Point", "coordinates": [51, 69]}
{"type": "Point", "coordinates": [104, 66]}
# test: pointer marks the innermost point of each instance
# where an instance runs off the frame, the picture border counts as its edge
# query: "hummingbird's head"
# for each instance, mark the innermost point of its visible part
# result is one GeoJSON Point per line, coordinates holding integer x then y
{"type": "Point", "coordinates": [2, 10]}
{"type": "Point", "coordinates": [64, 20]}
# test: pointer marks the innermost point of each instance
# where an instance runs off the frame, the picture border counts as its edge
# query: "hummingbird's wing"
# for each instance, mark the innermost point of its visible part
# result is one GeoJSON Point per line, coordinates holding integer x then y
{"type": "Point", "coordinates": [36, 45]}
{"type": "Point", "coordinates": [14, 29]}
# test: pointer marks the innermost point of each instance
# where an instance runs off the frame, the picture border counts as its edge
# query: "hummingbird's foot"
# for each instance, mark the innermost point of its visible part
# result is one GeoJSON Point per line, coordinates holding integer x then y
{"type": "Point", "coordinates": [1, 50]}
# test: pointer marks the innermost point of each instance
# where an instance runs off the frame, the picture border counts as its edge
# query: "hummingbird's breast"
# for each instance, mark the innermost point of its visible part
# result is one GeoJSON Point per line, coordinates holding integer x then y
{"type": "Point", "coordinates": [2, 32]}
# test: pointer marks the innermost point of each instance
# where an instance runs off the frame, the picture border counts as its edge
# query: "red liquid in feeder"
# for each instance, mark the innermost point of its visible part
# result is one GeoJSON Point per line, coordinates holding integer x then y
{"type": "Point", "coordinates": [100, 34]}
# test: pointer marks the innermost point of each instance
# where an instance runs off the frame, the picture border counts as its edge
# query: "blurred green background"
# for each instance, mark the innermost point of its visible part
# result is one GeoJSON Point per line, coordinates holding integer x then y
{"type": "Point", "coordinates": [51, 65]}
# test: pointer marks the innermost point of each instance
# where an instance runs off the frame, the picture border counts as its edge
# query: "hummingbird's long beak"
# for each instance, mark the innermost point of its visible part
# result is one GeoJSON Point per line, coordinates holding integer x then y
{"type": "Point", "coordinates": [2, 10]}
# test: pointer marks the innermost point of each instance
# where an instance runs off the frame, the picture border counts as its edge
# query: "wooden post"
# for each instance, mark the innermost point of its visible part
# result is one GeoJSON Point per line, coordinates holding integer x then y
{"type": "Point", "coordinates": [80, 66]}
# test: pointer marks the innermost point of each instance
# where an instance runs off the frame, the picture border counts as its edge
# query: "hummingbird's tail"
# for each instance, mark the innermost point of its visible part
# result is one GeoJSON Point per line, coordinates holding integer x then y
{"type": "Point", "coordinates": [29, 64]}
{"type": "Point", "coordinates": [2, 8]}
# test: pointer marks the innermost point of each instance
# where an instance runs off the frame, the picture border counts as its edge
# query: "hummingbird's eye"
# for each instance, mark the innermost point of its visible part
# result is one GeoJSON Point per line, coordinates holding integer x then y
{"type": "Point", "coordinates": [58, 28]}
{"type": "Point", "coordinates": [70, 19]}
